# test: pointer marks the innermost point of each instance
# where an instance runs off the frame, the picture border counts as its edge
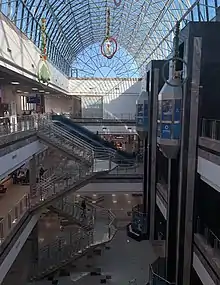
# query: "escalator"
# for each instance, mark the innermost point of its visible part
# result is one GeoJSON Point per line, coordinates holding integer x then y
{"type": "Point", "coordinates": [89, 137]}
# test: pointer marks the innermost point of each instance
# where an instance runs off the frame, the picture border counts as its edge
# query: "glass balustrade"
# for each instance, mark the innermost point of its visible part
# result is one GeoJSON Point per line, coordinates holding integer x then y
{"type": "Point", "coordinates": [14, 215]}
{"type": "Point", "coordinates": [55, 181]}
{"type": "Point", "coordinates": [210, 129]}
{"type": "Point", "coordinates": [157, 273]}
{"type": "Point", "coordinates": [71, 244]}
{"type": "Point", "coordinates": [110, 117]}
{"type": "Point", "coordinates": [209, 237]}
{"type": "Point", "coordinates": [75, 212]}
{"type": "Point", "coordinates": [17, 145]}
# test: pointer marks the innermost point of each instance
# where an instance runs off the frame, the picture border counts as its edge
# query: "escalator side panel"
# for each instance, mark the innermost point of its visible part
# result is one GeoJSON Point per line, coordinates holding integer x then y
{"type": "Point", "coordinates": [88, 135]}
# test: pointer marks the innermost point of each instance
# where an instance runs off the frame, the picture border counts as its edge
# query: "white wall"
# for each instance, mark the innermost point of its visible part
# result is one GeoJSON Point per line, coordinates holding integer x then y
{"type": "Point", "coordinates": [126, 102]}
{"type": "Point", "coordinates": [24, 53]}
{"type": "Point", "coordinates": [209, 172]}
{"type": "Point", "coordinates": [15, 159]}
{"type": "Point", "coordinates": [59, 104]}
{"type": "Point", "coordinates": [119, 95]}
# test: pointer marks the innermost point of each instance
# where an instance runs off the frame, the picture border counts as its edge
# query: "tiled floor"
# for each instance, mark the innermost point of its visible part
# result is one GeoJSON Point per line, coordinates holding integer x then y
{"type": "Point", "coordinates": [12, 197]}
{"type": "Point", "coordinates": [102, 165]}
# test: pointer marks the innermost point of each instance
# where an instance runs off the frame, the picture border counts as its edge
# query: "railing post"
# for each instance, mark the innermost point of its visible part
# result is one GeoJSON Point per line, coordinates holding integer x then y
{"type": "Point", "coordinates": [213, 130]}
{"type": "Point", "coordinates": [110, 163]}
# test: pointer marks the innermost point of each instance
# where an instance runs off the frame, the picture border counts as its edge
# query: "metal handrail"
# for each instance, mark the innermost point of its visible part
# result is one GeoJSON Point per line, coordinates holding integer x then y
{"type": "Point", "coordinates": [8, 222]}
{"type": "Point", "coordinates": [154, 270]}
{"type": "Point", "coordinates": [76, 139]}
{"type": "Point", "coordinates": [106, 116]}
{"type": "Point", "coordinates": [210, 128]}
{"type": "Point", "coordinates": [210, 237]}
{"type": "Point", "coordinates": [68, 246]}
{"type": "Point", "coordinates": [97, 151]}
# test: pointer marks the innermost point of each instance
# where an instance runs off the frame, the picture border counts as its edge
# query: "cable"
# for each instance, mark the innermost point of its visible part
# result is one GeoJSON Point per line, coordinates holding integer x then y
{"type": "Point", "coordinates": [117, 3]}
{"type": "Point", "coordinates": [163, 71]}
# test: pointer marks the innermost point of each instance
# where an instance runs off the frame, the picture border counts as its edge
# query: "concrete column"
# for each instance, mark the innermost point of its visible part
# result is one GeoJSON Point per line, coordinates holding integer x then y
{"type": "Point", "coordinates": [9, 96]}
{"type": "Point", "coordinates": [33, 174]}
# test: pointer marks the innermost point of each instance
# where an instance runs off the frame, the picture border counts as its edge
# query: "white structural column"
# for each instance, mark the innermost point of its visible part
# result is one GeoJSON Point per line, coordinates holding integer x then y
{"type": "Point", "coordinates": [10, 97]}
{"type": "Point", "coordinates": [33, 174]}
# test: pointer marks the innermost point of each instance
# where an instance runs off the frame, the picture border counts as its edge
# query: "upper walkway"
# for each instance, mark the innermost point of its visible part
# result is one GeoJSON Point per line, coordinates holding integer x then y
{"type": "Point", "coordinates": [127, 119]}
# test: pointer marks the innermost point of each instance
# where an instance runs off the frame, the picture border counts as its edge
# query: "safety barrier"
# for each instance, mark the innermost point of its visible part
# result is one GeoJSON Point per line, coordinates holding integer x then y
{"type": "Point", "coordinates": [71, 245]}
{"type": "Point", "coordinates": [157, 273]}
{"type": "Point", "coordinates": [14, 215]}
{"type": "Point", "coordinates": [209, 236]}
{"type": "Point", "coordinates": [210, 129]}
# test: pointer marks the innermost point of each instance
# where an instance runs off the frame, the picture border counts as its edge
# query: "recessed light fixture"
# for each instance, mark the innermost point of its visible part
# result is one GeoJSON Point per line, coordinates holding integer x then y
{"type": "Point", "coordinates": [1, 78]}
{"type": "Point", "coordinates": [15, 83]}
{"type": "Point", "coordinates": [26, 92]}
{"type": "Point", "coordinates": [47, 92]}
{"type": "Point", "coordinates": [19, 91]}
{"type": "Point", "coordinates": [41, 91]}
{"type": "Point", "coordinates": [34, 89]}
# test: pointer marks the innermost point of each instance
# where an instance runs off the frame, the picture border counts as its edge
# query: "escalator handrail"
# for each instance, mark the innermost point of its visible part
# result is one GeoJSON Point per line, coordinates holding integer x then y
{"type": "Point", "coordinates": [81, 142]}
{"type": "Point", "coordinates": [110, 152]}
{"type": "Point", "coordinates": [65, 134]}
{"type": "Point", "coordinates": [94, 136]}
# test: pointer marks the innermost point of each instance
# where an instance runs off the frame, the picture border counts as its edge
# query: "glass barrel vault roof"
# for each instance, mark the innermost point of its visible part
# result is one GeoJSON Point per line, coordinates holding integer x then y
{"type": "Point", "coordinates": [141, 27]}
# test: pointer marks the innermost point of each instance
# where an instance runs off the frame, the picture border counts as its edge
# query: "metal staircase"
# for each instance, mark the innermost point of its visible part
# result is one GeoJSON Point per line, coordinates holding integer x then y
{"type": "Point", "coordinates": [62, 176]}
{"type": "Point", "coordinates": [62, 140]}
{"type": "Point", "coordinates": [74, 213]}
{"type": "Point", "coordinates": [60, 183]}
{"type": "Point", "coordinates": [97, 152]}
{"type": "Point", "coordinates": [72, 245]}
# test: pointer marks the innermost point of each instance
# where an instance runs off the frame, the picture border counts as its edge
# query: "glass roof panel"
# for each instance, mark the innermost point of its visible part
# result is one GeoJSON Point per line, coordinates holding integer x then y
{"type": "Point", "coordinates": [141, 27]}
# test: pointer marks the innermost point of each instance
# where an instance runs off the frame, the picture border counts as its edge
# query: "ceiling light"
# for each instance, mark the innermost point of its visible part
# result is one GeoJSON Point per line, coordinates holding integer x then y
{"type": "Point", "coordinates": [19, 91]}
{"type": "Point", "coordinates": [41, 91]}
{"type": "Point", "coordinates": [26, 92]}
{"type": "Point", "coordinates": [114, 202]}
{"type": "Point", "coordinates": [1, 78]}
{"type": "Point", "coordinates": [113, 195]}
{"type": "Point", "coordinates": [15, 83]}
{"type": "Point", "coordinates": [34, 89]}
{"type": "Point", "coordinates": [47, 92]}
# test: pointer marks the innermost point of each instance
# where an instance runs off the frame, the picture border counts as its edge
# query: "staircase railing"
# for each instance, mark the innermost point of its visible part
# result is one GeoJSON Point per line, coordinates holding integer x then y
{"type": "Point", "coordinates": [71, 245]}
{"type": "Point", "coordinates": [99, 150]}
{"type": "Point", "coordinates": [61, 251]}
{"type": "Point", "coordinates": [157, 273]}
{"type": "Point", "coordinates": [85, 217]}
{"type": "Point", "coordinates": [63, 140]}
{"type": "Point", "coordinates": [209, 236]}
{"type": "Point", "coordinates": [210, 128]}
{"type": "Point", "coordinates": [58, 184]}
